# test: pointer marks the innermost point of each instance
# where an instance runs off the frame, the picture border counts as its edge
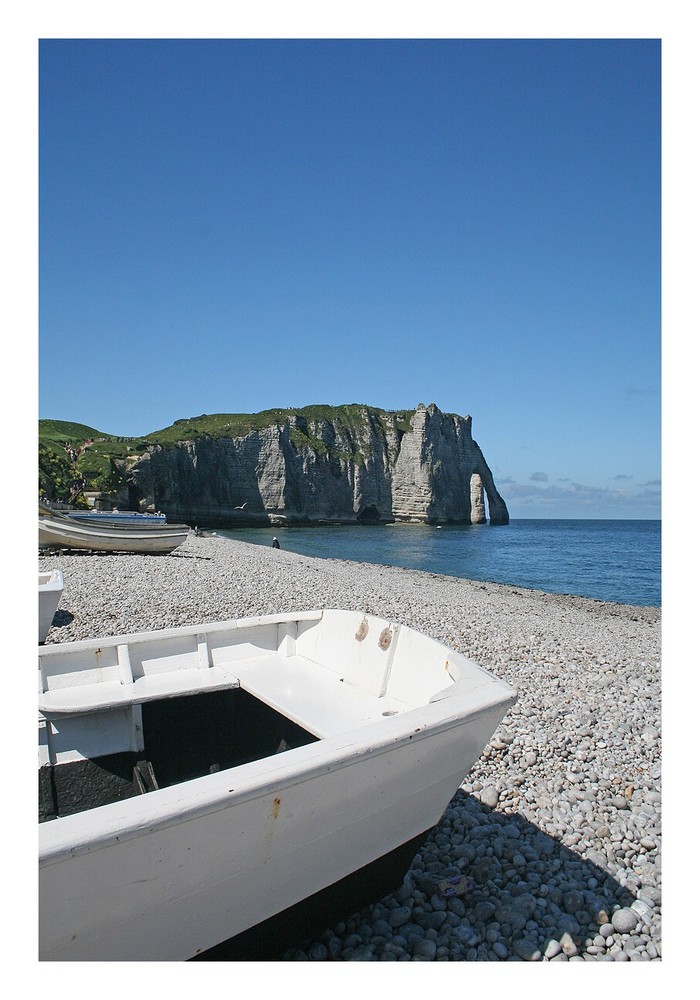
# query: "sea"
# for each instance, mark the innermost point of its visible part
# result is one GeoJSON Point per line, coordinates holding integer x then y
{"type": "Point", "coordinates": [608, 560]}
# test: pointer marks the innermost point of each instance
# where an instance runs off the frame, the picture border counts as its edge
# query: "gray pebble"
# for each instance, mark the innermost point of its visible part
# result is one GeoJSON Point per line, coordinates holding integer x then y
{"type": "Point", "coordinates": [527, 950]}
{"type": "Point", "coordinates": [645, 911]}
{"type": "Point", "coordinates": [489, 796]}
{"type": "Point", "coordinates": [318, 952]}
{"type": "Point", "coordinates": [552, 949]}
{"type": "Point", "coordinates": [650, 894]}
{"type": "Point", "coordinates": [568, 945]}
{"type": "Point", "coordinates": [625, 920]}
{"type": "Point", "coordinates": [483, 912]}
{"type": "Point", "coordinates": [573, 901]}
{"type": "Point", "coordinates": [426, 949]}
{"type": "Point", "coordinates": [457, 906]}
{"type": "Point", "coordinates": [398, 917]}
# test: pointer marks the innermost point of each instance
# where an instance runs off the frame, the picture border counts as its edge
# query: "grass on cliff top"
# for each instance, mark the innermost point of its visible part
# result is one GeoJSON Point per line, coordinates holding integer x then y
{"type": "Point", "coordinates": [217, 425]}
{"type": "Point", "coordinates": [67, 432]}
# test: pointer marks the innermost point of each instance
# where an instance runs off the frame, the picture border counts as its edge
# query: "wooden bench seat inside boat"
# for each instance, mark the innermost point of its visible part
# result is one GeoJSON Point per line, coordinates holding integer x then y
{"type": "Point", "coordinates": [315, 698]}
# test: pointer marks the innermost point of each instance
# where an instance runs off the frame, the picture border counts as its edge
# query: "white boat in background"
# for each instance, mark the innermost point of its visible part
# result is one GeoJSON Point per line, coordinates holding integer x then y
{"type": "Point", "coordinates": [50, 592]}
{"type": "Point", "coordinates": [214, 790]}
{"type": "Point", "coordinates": [131, 518]}
{"type": "Point", "coordinates": [58, 530]}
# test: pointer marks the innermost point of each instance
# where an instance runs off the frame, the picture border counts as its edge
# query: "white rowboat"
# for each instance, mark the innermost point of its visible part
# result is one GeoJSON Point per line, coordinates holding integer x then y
{"type": "Point", "coordinates": [61, 531]}
{"type": "Point", "coordinates": [201, 784]}
{"type": "Point", "coordinates": [50, 591]}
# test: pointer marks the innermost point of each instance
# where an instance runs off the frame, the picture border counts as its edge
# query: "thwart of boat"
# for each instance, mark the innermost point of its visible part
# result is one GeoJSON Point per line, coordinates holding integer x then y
{"type": "Point", "coordinates": [50, 592]}
{"type": "Point", "coordinates": [201, 785]}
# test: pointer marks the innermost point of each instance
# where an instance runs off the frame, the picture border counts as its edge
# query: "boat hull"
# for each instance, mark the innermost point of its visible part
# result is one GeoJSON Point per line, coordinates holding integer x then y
{"type": "Point", "coordinates": [50, 592]}
{"type": "Point", "coordinates": [188, 885]}
{"type": "Point", "coordinates": [270, 939]}
{"type": "Point", "coordinates": [174, 873]}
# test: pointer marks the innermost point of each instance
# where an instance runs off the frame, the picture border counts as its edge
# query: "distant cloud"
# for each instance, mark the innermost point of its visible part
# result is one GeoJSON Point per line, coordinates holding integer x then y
{"type": "Point", "coordinates": [634, 390]}
{"type": "Point", "coordinates": [652, 482]}
{"type": "Point", "coordinates": [651, 494]}
{"type": "Point", "coordinates": [508, 480]}
{"type": "Point", "coordinates": [539, 477]}
{"type": "Point", "coordinates": [621, 476]}
{"type": "Point", "coordinates": [580, 500]}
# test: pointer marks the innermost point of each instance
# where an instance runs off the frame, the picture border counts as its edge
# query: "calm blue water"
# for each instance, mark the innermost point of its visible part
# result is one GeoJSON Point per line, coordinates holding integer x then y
{"type": "Point", "coordinates": [608, 560]}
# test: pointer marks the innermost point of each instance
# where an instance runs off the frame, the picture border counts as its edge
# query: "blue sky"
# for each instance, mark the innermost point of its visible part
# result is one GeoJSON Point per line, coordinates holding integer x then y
{"type": "Point", "coordinates": [232, 225]}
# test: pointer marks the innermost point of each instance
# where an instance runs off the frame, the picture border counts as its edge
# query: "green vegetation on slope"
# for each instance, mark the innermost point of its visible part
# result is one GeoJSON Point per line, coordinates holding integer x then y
{"type": "Point", "coordinates": [74, 457]}
{"type": "Point", "coordinates": [216, 425]}
{"type": "Point", "coordinates": [64, 431]}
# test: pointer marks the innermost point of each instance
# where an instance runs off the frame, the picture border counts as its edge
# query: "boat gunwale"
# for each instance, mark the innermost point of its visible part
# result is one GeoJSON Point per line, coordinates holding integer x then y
{"type": "Point", "coordinates": [77, 530]}
{"type": "Point", "coordinates": [201, 628]}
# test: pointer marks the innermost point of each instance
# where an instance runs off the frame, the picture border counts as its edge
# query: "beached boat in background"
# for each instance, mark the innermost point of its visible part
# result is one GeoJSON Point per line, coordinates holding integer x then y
{"type": "Point", "coordinates": [247, 782]}
{"type": "Point", "coordinates": [50, 591]}
{"type": "Point", "coordinates": [58, 530]}
{"type": "Point", "coordinates": [129, 517]}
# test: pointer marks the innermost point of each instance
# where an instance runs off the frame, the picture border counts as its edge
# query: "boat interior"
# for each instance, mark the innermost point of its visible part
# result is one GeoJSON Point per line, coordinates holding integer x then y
{"type": "Point", "coordinates": [127, 715]}
{"type": "Point", "coordinates": [183, 738]}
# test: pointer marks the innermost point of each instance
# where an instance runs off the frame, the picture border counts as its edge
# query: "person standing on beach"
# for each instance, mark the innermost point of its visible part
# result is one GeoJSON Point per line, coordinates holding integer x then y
{"type": "Point", "coordinates": [275, 543]}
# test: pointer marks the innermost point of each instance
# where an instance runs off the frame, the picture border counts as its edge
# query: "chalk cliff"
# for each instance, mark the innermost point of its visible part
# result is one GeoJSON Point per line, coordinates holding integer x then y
{"type": "Point", "coordinates": [340, 464]}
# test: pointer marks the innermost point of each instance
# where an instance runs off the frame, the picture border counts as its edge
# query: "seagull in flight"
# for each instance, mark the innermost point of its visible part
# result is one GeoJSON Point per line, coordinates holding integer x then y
{"type": "Point", "coordinates": [240, 508]}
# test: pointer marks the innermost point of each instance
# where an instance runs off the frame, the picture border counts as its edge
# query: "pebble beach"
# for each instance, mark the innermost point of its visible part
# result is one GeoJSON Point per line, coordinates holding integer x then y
{"type": "Point", "coordinates": [556, 829]}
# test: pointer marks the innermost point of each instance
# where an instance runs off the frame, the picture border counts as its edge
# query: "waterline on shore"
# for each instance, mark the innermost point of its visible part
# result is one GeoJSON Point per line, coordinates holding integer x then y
{"type": "Point", "coordinates": [617, 561]}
